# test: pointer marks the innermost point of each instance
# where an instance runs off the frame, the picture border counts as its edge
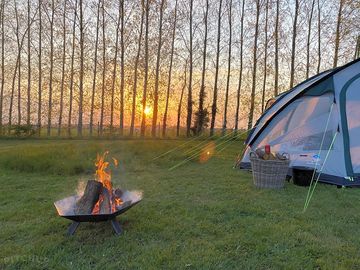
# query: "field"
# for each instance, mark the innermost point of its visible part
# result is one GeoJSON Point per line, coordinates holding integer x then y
{"type": "Point", "coordinates": [198, 216]}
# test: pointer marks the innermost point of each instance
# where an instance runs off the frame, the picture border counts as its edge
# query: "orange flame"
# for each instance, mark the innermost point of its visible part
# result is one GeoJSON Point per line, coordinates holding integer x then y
{"type": "Point", "coordinates": [103, 175]}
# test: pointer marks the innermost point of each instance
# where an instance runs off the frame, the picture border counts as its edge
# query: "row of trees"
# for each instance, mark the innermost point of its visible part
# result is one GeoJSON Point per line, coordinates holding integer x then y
{"type": "Point", "coordinates": [116, 65]}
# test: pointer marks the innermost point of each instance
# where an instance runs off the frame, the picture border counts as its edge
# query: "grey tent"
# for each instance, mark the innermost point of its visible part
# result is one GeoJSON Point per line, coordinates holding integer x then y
{"type": "Point", "coordinates": [318, 124]}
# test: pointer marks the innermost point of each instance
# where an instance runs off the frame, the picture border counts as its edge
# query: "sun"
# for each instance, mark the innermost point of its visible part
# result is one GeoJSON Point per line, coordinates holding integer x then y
{"type": "Point", "coordinates": [147, 110]}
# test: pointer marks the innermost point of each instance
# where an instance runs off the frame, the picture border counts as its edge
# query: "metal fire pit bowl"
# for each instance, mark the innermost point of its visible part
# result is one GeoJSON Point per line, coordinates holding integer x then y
{"type": "Point", "coordinates": [66, 209]}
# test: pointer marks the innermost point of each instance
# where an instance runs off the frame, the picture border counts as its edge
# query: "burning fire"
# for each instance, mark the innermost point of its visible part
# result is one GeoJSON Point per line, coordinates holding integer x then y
{"type": "Point", "coordinates": [103, 175]}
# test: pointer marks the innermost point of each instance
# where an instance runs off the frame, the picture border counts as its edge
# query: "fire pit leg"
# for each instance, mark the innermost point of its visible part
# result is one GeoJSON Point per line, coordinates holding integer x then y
{"type": "Point", "coordinates": [116, 226]}
{"type": "Point", "coordinates": [72, 228]}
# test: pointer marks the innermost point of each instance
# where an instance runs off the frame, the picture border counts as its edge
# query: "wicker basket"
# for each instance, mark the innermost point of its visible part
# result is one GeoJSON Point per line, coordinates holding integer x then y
{"type": "Point", "coordinates": [269, 173]}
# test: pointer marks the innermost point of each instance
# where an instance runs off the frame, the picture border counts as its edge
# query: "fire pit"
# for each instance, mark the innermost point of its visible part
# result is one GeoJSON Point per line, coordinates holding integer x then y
{"type": "Point", "coordinates": [99, 201]}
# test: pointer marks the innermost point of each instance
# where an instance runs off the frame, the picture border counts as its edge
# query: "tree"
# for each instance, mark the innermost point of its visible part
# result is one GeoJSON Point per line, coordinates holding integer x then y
{"type": "Point", "coordinates": [319, 36]}
{"type": "Point", "coordinates": [337, 35]}
{"type": "Point", "coordinates": [72, 69]}
{"type": "Point", "coordinates": [95, 68]}
{"type": "Point", "coordinates": [180, 100]}
{"type": "Point", "coordinates": [276, 75]}
{"type": "Point", "coordinates": [146, 69]}
{"type": "Point", "coordinates": [122, 65]}
{"type": "Point", "coordinates": [51, 65]}
{"type": "Point", "coordinates": [2, 14]}
{"type": "Point", "coordinates": [189, 101]}
{"type": "Point", "coordinates": [252, 102]}
{"type": "Point", "coordinates": [170, 69]}
{"type": "Point", "coordinates": [81, 79]}
{"type": "Point", "coordinates": [200, 114]}
{"type": "Point", "coordinates": [293, 46]}
{"type": "Point", "coordinates": [133, 110]}
{"type": "Point", "coordinates": [265, 56]}
{"type": "Point", "coordinates": [40, 69]}
{"type": "Point", "coordinates": [62, 71]}
{"type": "Point", "coordinates": [114, 69]}
{"type": "Point", "coordinates": [104, 69]}
{"type": "Point", "coordinates": [28, 104]}
{"type": "Point", "coordinates": [229, 70]}
{"type": "Point", "coordinates": [308, 39]}
{"type": "Point", "coordinates": [214, 104]}
{"type": "Point", "coordinates": [157, 72]}
{"type": "Point", "coordinates": [19, 63]}
{"type": "Point", "coordinates": [241, 65]}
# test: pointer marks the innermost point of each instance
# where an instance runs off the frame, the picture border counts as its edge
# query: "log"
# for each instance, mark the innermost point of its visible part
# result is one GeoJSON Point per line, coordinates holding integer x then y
{"type": "Point", "coordinates": [105, 205]}
{"type": "Point", "coordinates": [85, 205]}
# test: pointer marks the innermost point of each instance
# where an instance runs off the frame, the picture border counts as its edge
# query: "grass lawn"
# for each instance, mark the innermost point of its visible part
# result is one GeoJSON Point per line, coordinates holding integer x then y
{"type": "Point", "coordinates": [198, 216]}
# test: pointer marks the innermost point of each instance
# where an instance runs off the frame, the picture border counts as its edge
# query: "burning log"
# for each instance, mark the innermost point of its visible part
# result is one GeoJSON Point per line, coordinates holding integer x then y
{"type": "Point", "coordinates": [86, 203]}
{"type": "Point", "coordinates": [105, 203]}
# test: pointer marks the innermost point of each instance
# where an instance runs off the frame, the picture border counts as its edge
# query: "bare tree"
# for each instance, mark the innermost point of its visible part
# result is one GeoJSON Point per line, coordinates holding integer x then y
{"type": "Point", "coordinates": [2, 14]}
{"type": "Point", "coordinates": [180, 101]}
{"type": "Point", "coordinates": [293, 46]}
{"type": "Point", "coordinates": [133, 110]}
{"type": "Point", "coordinates": [276, 75]}
{"type": "Point", "coordinates": [201, 112]}
{"type": "Point", "coordinates": [115, 68]}
{"type": "Point", "coordinates": [157, 72]}
{"type": "Point", "coordinates": [122, 65]}
{"type": "Point", "coordinates": [51, 65]}
{"type": "Point", "coordinates": [229, 70]}
{"type": "Point", "coordinates": [29, 66]}
{"type": "Point", "coordinates": [62, 71]}
{"type": "Point", "coordinates": [319, 36]}
{"type": "Point", "coordinates": [252, 102]}
{"type": "Point", "coordinates": [337, 36]}
{"type": "Point", "coordinates": [308, 39]}
{"type": "Point", "coordinates": [146, 68]}
{"type": "Point", "coordinates": [19, 63]}
{"type": "Point", "coordinates": [189, 101]}
{"type": "Point", "coordinates": [40, 69]}
{"type": "Point", "coordinates": [95, 69]}
{"type": "Point", "coordinates": [72, 69]}
{"type": "Point", "coordinates": [265, 56]}
{"type": "Point", "coordinates": [170, 70]}
{"type": "Point", "coordinates": [81, 79]}
{"type": "Point", "coordinates": [104, 69]}
{"type": "Point", "coordinates": [214, 104]}
{"type": "Point", "coordinates": [241, 65]}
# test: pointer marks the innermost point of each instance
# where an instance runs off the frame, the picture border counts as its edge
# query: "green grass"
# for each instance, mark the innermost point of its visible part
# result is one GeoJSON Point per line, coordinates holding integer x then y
{"type": "Point", "coordinates": [199, 216]}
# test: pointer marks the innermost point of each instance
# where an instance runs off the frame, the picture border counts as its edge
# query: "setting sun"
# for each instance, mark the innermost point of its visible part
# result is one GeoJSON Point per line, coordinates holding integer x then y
{"type": "Point", "coordinates": [147, 110]}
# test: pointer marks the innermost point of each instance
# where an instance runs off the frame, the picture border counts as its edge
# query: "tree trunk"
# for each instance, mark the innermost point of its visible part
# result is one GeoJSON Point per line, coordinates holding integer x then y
{"type": "Point", "coordinates": [319, 36]}
{"type": "Point", "coordinates": [40, 70]}
{"type": "Point", "coordinates": [133, 110]}
{"type": "Point", "coordinates": [51, 66]}
{"type": "Point", "coordinates": [189, 101]}
{"type": "Point", "coordinates": [104, 69]}
{"type": "Point", "coordinates": [337, 37]}
{"type": "Point", "coordinates": [252, 102]}
{"type": "Point", "coordinates": [157, 72]}
{"type": "Point", "coordinates": [122, 65]}
{"type": "Point", "coordinates": [72, 70]}
{"type": "Point", "coordinates": [29, 66]}
{"type": "Point", "coordinates": [229, 71]}
{"type": "Point", "coordinates": [308, 40]}
{"type": "Point", "coordinates": [265, 56]}
{"type": "Point", "coordinates": [146, 67]}
{"type": "Point", "coordinates": [95, 70]}
{"type": "Point", "coordinates": [200, 122]}
{"type": "Point", "coordinates": [293, 46]}
{"type": "Point", "coordinates": [62, 71]}
{"type": "Point", "coordinates": [2, 64]}
{"type": "Point", "coordinates": [214, 104]}
{"type": "Point", "coordinates": [114, 70]}
{"type": "Point", "coordinates": [81, 79]}
{"type": "Point", "coordinates": [170, 71]}
{"type": "Point", "coordinates": [276, 75]}
{"type": "Point", "coordinates": [241, 66]}
{"type": "Point", "coordinates": [180, 102]}
{"type": "Point", "coordinates": [19, 62]}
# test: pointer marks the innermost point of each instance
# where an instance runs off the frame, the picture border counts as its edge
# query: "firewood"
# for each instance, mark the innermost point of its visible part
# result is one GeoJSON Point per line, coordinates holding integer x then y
{"type": "Point", "coordinates": [105, 204]}
{"type": "Point", "coordinates": [86, 203]}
